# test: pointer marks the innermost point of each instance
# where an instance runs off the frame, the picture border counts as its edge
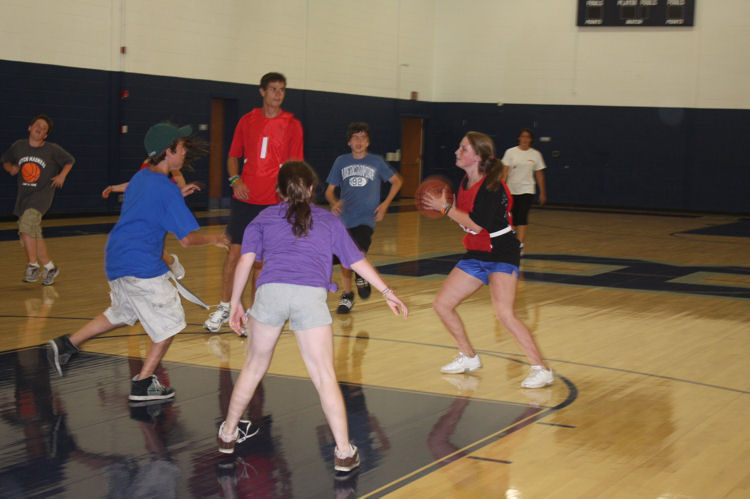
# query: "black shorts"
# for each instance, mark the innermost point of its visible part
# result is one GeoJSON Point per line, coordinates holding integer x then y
{"type": "Point", "coordinates": [362, 237]}
{"type": "Point", "coordinates": [521, 207]}
{"type": "Point", "coordinates": [240, 215]}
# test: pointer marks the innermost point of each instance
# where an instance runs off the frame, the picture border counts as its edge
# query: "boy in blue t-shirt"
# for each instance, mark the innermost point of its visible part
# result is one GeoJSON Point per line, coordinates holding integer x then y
{"type": "Point", "coordinates": [359, 175]}
{"type": "Point", "coordinates": [138, 277]}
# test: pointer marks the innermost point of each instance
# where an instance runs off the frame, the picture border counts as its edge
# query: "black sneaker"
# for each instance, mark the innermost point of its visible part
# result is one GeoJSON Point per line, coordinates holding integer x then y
{"type": "Point", "coordinates": [148, 410]}
{"type": "Point", "coordinates": [149, 389]}
{"type": "Point", "coordinates": [61, 442]}
{"type": "Point", "coordinates": [346, 303]}
{"type": "Point", "coordinates": [60, 351]}
{"type": "Point", "coordinates": [363, 287]}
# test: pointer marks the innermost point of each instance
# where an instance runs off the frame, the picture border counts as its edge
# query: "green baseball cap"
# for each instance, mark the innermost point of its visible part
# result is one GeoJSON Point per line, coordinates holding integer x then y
{"type": "Point", "coordinates": [161, 136]}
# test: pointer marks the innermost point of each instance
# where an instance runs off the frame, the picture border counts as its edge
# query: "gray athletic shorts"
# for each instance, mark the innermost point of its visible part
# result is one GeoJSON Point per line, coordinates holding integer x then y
{"type": "Point", "coordinates": [155, 302]}
{"type": "Point", "coordinates": [304, 306]}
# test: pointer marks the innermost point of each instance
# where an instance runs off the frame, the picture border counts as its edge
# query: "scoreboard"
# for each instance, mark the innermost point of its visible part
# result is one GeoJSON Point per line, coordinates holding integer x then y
{"type": "Point", "coordinates": [636, 12]}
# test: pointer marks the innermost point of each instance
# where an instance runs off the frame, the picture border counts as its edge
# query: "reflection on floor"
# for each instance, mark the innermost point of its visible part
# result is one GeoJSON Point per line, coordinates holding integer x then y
{"type": "Point", "coordinates": [78, 436]}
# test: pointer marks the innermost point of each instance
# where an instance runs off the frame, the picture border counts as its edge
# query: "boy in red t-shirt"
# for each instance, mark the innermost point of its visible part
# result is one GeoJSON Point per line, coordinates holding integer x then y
{"type": "Point", "coordinates": [264, 139]}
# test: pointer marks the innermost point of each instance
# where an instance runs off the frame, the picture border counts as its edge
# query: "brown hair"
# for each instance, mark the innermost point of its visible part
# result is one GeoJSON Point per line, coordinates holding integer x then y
{"type": "Point", "coordinates": [195, 149]}
{"type": "Point", "coordinates": [45, 118]}
{"type": "Point", "coordinates": [489, 165]}
{"type": "Point", "coordinates": [356, 127]}
{"type": "Point", "coordinates": [270, 78]}
{"type": "Point", "coordinates": [293, 184]}
{"type": "Point", "coordinates": [527, 130]}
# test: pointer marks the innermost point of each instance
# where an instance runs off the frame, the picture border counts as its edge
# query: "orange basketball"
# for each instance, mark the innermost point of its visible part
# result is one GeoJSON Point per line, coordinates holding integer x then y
{"type": "Point", "coordinates": [30, 172]}
{"type": "Point", "coordinates": [435, 185]}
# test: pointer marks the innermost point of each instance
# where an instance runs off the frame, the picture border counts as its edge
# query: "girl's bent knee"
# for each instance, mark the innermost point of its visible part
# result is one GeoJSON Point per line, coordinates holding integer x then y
{"type": "Point", "coordinates": [440, 307]}
{"type": "Point", "coordinates": [506, 317]}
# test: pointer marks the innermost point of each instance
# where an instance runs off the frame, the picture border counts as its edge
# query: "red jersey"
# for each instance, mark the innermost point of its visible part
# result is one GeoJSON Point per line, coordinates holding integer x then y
{"type": "Point", "coordinates": [491, 211]}
{"type": "Point", "coordinates": [264, 144]}
{"type": "Point", "coordinates": [479, 241]}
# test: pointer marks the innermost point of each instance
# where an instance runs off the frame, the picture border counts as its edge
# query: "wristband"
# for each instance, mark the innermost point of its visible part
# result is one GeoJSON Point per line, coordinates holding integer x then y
{"type": "Point", "coordinates": [446, 209]}
{"type": "Point", "coordinates": [233, 179]}
{"type": "Point", "coordinates": [387, 291]}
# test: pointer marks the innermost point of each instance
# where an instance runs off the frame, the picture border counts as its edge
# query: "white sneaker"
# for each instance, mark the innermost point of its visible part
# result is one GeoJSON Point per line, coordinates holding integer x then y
{"type": "Point", "coordinates": [462, 364]}
{"type": "Point", "coordinates": [217, 318]}
{"type": "Point", "coordinates": [32, 273]}
{"type": "Point", "coordinates": [538, 398]}
{"type": "Point", "coordinates": [220, 347]}
{"type": "Point", "coordinates": [177, 269]}
{"type": "Point", "coordinates": [538, 377]}
{"type": "Point", "coordinates": [48, 276]}
{"type": "Point", "coordinates": [463, 382]}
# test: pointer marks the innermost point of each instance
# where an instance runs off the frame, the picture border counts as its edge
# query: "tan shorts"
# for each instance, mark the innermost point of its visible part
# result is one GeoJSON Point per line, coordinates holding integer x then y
{"type": "Point", "coordinates": [154, 302]}
{"type": "Point", "coordinates": [30, 223]}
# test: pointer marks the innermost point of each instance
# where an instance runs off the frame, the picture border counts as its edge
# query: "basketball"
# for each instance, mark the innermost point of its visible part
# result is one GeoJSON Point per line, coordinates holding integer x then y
{"type": "Point", "coordinates": [30, 172]}
{"type": "Point", "coordinates": [435, 185]}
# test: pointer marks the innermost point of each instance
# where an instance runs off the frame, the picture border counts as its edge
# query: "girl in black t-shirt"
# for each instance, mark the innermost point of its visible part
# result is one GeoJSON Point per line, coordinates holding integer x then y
{"type": "Point", "coordinates": [482, 209]}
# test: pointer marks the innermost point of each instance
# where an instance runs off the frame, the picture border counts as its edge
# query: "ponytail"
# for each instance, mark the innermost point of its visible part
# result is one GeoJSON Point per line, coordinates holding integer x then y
{"type": "Point", "coordinates": [294, 183]}
{"type": "Point", "coordinates": [495, 171]}
{"type": "Point", "coordinates": [490, 166]}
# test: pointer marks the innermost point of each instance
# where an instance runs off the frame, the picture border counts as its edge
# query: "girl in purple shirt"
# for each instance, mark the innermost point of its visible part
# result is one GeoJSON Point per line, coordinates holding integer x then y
{"type": "Point", "coordinates": [296, 241]}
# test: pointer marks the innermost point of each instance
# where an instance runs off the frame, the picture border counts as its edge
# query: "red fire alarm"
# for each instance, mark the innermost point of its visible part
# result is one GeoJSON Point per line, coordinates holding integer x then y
{"type": "Point", "coordinates": [123, 49]}
{"type": "Point", "coordinates": [124, 94]}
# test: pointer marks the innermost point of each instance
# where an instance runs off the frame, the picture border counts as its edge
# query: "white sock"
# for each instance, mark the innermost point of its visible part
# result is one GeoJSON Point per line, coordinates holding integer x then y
{"type": "Point", "coordinates": [49, 265]}
{"type": "Point", "coordinates": [225, 437]}
{"type": "Point", "coordinates": [35, 264]}
{"type": "Point", "coordinates": [224, 304]}
{"type": "Point", "coordinates": [344, 455]}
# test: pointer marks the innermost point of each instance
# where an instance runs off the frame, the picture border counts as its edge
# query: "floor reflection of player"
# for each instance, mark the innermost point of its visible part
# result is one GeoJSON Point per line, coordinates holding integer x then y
{"type": "Point", "coordinates": [440, 445]}
{"type": "Point", "coordinates": [364, 427]}
{"type": "Point", "coordinates": [155, 476]}
{"type": "Point", "coordinates": [257, 468]}
{"type": "Point", "coordinates": [50, 446]}
{"type": "Point", "coordinates": [37, 310]}
{"type": "Point", "coordinates": [346, 487]}
{"type": "Point", "coordinates": [438, 440]}
{"type": "Point", "coordinates": [38, 411]}
{"type": "Point", "coordinates": [37, 415]}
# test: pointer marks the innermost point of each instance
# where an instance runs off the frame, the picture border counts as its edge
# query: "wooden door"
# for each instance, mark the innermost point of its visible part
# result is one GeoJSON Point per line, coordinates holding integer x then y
{"type": "Point", "coordinates": [411, 155]}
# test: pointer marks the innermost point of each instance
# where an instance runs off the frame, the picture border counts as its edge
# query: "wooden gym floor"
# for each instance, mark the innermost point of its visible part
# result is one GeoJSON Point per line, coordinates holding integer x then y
{"type": "Point", "coordinates": [645, 318]}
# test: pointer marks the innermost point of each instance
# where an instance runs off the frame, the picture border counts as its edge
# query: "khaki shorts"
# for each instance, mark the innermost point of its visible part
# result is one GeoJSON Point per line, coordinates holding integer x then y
{"type": "Point", "coordinates": [30, 223]}
{"type": "Point", "coordinates": [154, 302]}
{"type": "Point", "coordinates": [304, 306]}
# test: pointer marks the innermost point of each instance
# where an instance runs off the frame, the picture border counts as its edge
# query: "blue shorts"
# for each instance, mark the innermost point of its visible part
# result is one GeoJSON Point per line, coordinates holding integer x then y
{"type": "Point", "coordinates": [482, 270]}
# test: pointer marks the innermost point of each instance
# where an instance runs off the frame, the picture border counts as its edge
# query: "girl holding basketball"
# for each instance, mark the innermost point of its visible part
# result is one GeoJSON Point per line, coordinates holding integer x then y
{"type": "Point", "coordinates": [482, 210]}
{"type": "Point", "coordinates": [296, 241]}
